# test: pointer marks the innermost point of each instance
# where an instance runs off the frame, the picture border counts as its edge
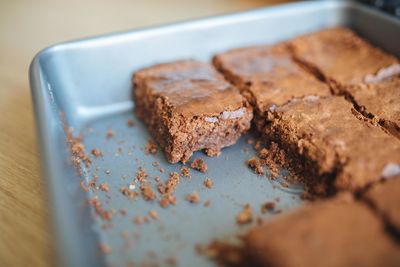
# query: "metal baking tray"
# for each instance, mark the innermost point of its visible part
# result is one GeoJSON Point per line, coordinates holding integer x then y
{"type": "Point", "coordinates": [89, 81]}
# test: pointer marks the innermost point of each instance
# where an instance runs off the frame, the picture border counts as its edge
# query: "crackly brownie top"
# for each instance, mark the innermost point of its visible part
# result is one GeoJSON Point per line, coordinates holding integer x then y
{"type": "Point", "coordinates": [385, 197]}
{"type": "Point", "coordinates": [341, 227]}
{"type": "Point", "coordinates": [269, 73]}
{"type": "Point", "coordinates": [341, 55]}
{"type": "Point", "coordinates": [192, 88]}
{"type": "Point", "coordinates": [380, 99]}
{"type": "Point", "coordinates": [334, 136]}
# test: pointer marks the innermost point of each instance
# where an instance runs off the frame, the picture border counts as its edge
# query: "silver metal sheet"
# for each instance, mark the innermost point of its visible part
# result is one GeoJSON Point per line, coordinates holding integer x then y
{"type": "Point", "coordinates": [89, 81]}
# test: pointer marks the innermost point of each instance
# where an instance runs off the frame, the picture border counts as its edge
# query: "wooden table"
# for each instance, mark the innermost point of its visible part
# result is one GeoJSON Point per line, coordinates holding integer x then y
{"type": "Point", "coordinates": [25, 28]}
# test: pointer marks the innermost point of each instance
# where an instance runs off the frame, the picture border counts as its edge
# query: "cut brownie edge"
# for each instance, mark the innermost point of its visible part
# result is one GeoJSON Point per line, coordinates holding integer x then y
{"type": "Point", "coordinates": [188, 106]}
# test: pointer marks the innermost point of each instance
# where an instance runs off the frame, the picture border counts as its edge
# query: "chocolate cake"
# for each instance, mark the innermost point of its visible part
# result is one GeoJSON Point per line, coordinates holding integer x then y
{"type": "Point", "coordinates": [329, 146]}
{"type": "Point", "coordinates": [341, 57]}
{"type": "Point", "coordinates": [188, 106]}
{"type": "Point", "coordinates": [268, 76]}
{"type": "Point", "coordinates": [336, 232]}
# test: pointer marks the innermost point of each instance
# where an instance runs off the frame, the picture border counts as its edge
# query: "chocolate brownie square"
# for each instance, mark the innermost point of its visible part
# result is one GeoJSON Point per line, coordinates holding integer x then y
{"type": "Point", "coordinates": [188, 106]}
{"type": "Point", "coordinates": [330, 233]}
{"type": "Point", "coordinates": [379, 101]}
{"type": "Point", "coordinates": [385, 198]}
{"type": "Point", "coordinates": [342, 57]}
{"type": "Point", "coordinates": [268, 76]}
{"type": "Point", "coordinates": [328, 144]}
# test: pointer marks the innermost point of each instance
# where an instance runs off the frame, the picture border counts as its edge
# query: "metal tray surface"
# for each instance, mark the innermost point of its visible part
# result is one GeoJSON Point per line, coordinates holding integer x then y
{"type": "Point", "coordinates": [89, 81]}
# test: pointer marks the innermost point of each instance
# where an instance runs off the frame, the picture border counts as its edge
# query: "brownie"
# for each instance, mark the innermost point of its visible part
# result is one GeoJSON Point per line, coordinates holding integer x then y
{"type": "Point", "coordinates": [189, 106]}
{"type": "Point", "coordinates": [379, 101]}
{"type": "Point", "coordinates": [328, 144]}
{"type": "Point", "coordinates": [342, 57]}
{"type": "Point", "coordinates": [268, 76]}
{"type": "Point", "coordinates": [385, 198]}
{"type": "Point", "coordinates": [330, 233]}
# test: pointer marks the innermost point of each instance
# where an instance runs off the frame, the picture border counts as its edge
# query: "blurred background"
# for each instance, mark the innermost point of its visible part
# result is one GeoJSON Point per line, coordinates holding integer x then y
{"type": "Point", "coordinates": [26, 27]}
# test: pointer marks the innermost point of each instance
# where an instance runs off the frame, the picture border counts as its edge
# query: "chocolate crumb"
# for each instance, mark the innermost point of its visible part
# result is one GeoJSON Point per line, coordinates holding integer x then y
{"type": "Point", "coordinates": [122, 211]}
{"type": "Point", "coordinates": [172, 182]}
{"type": "Point", "coordinates": [185, 171]}
{"type": "Point", "coordinates": [171, 261]}
{"type": "Point", "coordinates": [193, 197]}
{"type": "Point", "coordinates": [151, 147]}
{"type": "Point", "coordinates": [164, 202]}
{"type": "Point", "coordinates": [268, 206]}
{"type": "Point", "coordinates": [109, 134]}
{"type": "Point", "coordinates": [83, 186]}
{"type": "Point", "coordinates": [138, 220]}
{"type": "Point", "coordinates": [104, 187]}
{"type": "Point", "coordinates": [105, 248]}
{"type": "Point", "coordinates": [208, 183]}
{"type": "Point", "coordinates": [147, 193]}
{"type": "Point", "coordinates": [153, 214]}
{"type": "Point", "coordinates": [199, 164]}
{"type": "Point", "coordinates": [141, 175]}
{"type": "Point", "coordinates": [130, 123]}
{"type": "Point", "coordinates": [96, 152]}
{"type": "Point", "coordinates": [128, 193]}
{"type": "Point", "coordinates": [225, 254]}
{"type": "Point", "coordinates": [255, 164]}
{"type": "Point", "coordinates": [245, 216]}
{"type": "Point", "coordinates": [92, 183]}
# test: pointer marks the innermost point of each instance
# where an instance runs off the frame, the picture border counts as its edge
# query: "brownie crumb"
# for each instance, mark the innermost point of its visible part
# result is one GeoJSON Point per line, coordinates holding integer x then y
{"type": "Point", "coordinates": [146, 219]}
{"type": "Point", "coordinates": [171, 261]}
{"type": "Point", "coordinates": [208, 183]}
{"type": "Point", "coordinates": [137, 220]}
{"type": "Point", "coordinates": [193, 197]}
{"type": "Point", "coordinates": [207, 203]}
{"type": "Point", "coordinates": [185, 171]}
{"type": "Point", "coordinates": [153, 214]}
{"type": "Point", "coordinates": [109, 134]}
{"type": "Point", "coordinates": [164, 202]}
{"type": "Point", "coordinates": [122, 211]}
{"type": "Point", "coordinates": [130, 123]}
{"type": "Point", "coordinates": [151, 147]}
{"type": "Point", "coordinates": [141, 175]}
{"type": "Point", "coordinates": [268, 206]}
{"type": "Point", "coordinates": [162, 170]}
{"type": "Point", "coordinates": [128, 193]}
{"type": "Point", "coordinates": [147, 193]}
{"type": "Point", "coordinates": [263, 153]}
{"type": "Point", "coordinates": [250, 141]}
{"type": "Point", "coordinates": [104, 187]}
{"type": "Point", "coordinates": [199, 164]}
{"type": "Point", "coordinates": [172, 182]}
{"type": "Point", "coordinates": [245, 216]}
{"type": "Point", "coordinates": [83, 186]}
{"type": "Point", "coordinates": [92, 183]}
{"type": "Point", "coordinates": [106, 249]}
{"type": "Point", "coordinates": [255, 164]}
{"type": "Point", "coordinates": [96, 152]}
{"type": "Point", "coordinates": [224, 254]}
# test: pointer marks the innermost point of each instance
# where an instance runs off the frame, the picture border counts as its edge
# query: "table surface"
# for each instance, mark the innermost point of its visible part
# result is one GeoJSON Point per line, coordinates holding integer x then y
{"type": "Point", "coordinates": [25, 28]}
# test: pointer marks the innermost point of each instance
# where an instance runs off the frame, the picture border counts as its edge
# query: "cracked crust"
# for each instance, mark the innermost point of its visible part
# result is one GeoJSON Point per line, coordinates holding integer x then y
{"type": "Point", "coordinates": [188, 106]}
{"type": "Point", "coordinates": [268, 77]}
{"type": "Point", "coordinates": [341, 57]}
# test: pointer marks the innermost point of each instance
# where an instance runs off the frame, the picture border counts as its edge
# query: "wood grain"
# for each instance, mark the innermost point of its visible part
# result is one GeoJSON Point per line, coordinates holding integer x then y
{"type": "Point", "coordinates": [25, 28]}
